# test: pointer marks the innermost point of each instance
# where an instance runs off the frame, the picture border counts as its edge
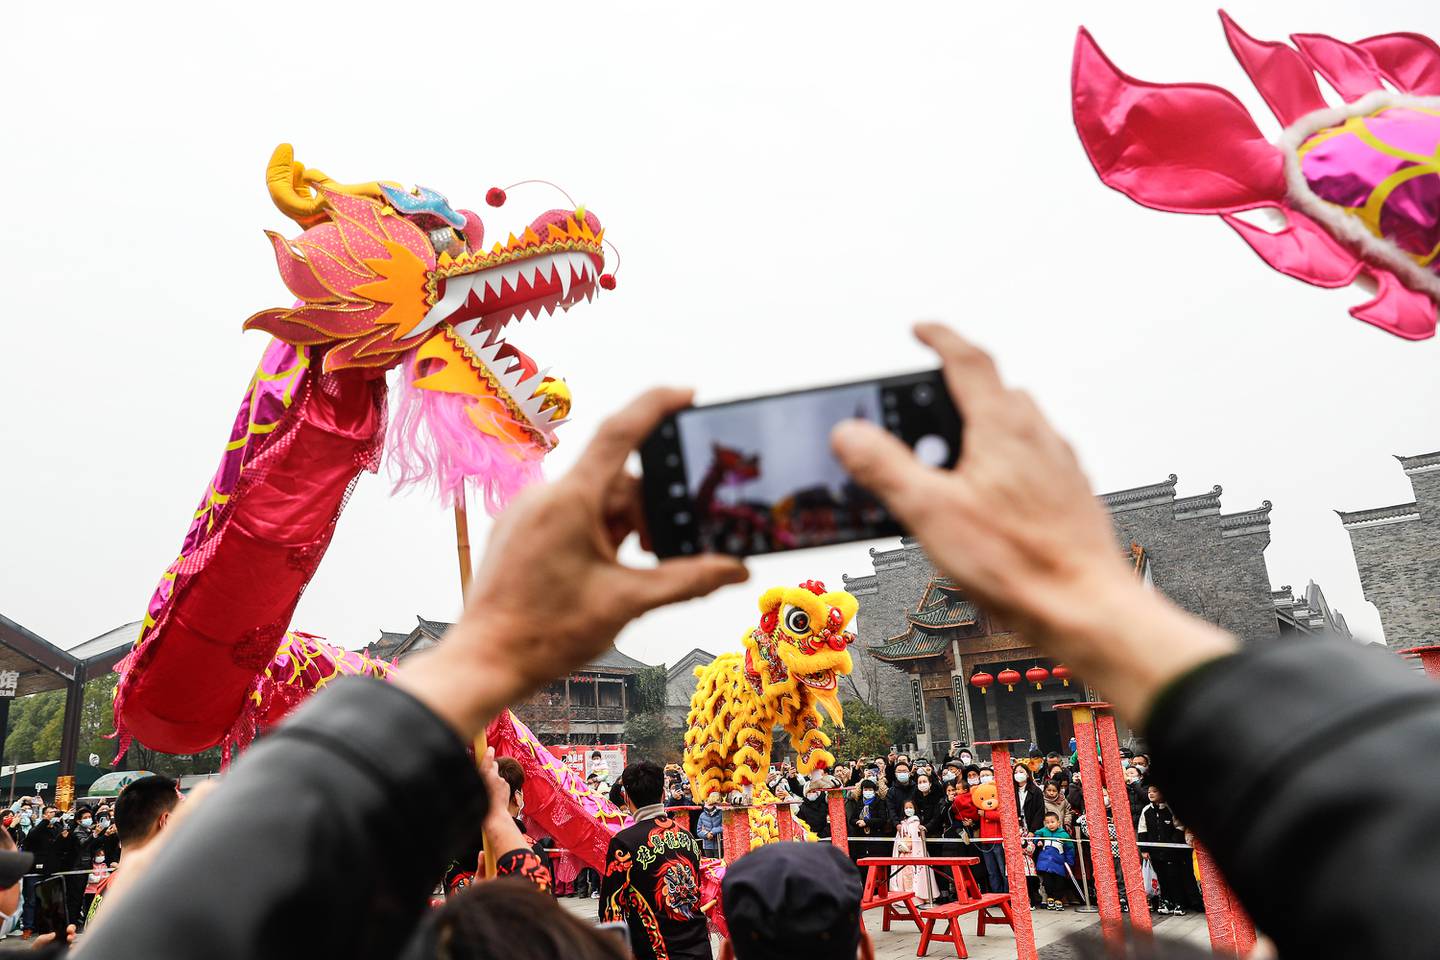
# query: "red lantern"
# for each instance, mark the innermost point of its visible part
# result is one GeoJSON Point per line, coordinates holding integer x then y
{"type": "Point", "coordinates": [1009, 678]}
{"type": "Point", "coordinates": [1061, 673]}
{"type": "Point", "coordinates": [982, 680]}
{"type": "Point", "coordinates": [1037, 675]}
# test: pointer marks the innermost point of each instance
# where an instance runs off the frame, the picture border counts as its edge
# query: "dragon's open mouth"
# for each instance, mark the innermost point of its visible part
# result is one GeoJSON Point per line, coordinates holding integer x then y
{"type": "Point", "coordinates": [479, 295]}
{"type": "Point", "coordinates": [825, 680]}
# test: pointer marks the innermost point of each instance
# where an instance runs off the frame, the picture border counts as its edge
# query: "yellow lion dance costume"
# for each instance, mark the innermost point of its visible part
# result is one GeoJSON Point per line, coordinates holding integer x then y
{"type": "Point", "coordinates": [790, 668]}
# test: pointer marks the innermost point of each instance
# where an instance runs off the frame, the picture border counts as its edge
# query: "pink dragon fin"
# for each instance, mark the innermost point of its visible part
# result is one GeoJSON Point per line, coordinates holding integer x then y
{"type": "Point", "coordinates": [1185, 148]}
{"type": "Point", "coordinates": [1397, 309]}
{"type": "Point", "coordinates": [1409, 61]}
{"type": "Point", "coordinates": [1281, 75]}
{"type": "Point", "coordinates": [1303, 249]}
{"type": "Point", "coordinates": [1349, 69]}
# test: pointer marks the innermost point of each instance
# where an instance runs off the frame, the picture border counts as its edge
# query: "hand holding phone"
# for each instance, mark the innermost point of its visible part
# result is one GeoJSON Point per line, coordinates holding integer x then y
{"type": "Point", "coordinates": [52, 914]}
{"type": "Point", "coordinates": [758, 476]}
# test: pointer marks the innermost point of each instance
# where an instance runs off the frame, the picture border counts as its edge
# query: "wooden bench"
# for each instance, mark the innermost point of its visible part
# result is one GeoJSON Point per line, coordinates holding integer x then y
{"type": "Point", "coordinates": [951, 914]}
{"type": "Point", "coordinates": [878, 894]}
{"type": "Point", "coordinates": [893, 904]}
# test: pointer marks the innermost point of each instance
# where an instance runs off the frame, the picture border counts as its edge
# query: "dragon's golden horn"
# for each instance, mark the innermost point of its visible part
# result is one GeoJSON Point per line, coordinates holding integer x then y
{"type": "Point", "coordinates": [296, 190]}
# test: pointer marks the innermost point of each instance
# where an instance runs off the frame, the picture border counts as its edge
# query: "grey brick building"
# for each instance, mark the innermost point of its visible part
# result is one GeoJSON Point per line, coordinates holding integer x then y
{"type": "Point", "coordinates": [1397, 550]}
{"type": "Point", "coordinates": [1210, 562]}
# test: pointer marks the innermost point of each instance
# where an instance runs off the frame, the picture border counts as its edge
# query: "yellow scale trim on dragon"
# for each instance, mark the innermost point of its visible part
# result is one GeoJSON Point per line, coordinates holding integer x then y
{"type": "Point", "coordinates": [789, 670]}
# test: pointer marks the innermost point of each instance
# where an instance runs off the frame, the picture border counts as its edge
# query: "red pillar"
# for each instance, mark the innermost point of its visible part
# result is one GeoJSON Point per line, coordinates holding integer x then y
{"type": "Point", "coordinates": [785, 821]}
{"type": "Point", "coordinates": [737, 833]}
{"type": "Point", "coordinates": [1102, 866]}
{"type": "Point", "coordinates": [1014, 856]}
{"type": "Point", "coordinates": [839, 829]}
{"type": "Point", "coordinates": [1114, 775]}
{"type": "Point", "coordinates": [1232, 933]}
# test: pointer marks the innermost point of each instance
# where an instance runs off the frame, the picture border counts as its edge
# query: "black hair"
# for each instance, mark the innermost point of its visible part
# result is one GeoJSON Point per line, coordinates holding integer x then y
{"type": "Point", "coordinates": [141, 805]}
{"type": "Point", "coordinates": [511, 918]}
{"type": "Point", "coordinates": [617, 794]}
{"type": "Point", "coordinates": [644, 783]}
{"type": "Point", "coordinates": [512, 773]}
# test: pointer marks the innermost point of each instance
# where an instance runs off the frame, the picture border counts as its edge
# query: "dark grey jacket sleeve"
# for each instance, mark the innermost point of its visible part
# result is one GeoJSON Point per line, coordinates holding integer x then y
{"type": "Point", "coordinates": [303, 850]}
{"type": "Point", "coordinates": [1310, 770]}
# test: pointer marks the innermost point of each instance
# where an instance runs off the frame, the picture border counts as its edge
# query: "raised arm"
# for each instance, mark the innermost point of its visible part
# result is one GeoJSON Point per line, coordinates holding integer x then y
{"type": "Point", "coordinates": [310, 810]}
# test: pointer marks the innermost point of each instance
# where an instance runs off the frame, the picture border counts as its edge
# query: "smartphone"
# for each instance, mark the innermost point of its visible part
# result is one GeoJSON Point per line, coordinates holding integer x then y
{"type": "Point", "coordinates": [52, 914]}
{"type": "Point", "coordinates": [757, 476]}
{"type": "Point", "coordinates": [617, 929]}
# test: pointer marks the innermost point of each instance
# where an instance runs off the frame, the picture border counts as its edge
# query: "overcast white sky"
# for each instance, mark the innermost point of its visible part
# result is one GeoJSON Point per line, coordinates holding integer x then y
{"type": "Point", "coordinates": [790, 184]}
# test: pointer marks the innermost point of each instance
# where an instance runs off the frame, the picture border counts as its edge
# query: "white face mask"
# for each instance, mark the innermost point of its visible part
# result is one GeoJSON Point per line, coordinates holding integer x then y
{"type": "Point", "coordinates": [923, 786]}
{"type": "Point", "coordinates": [987, 777]}
{"type": "Point", "coordinates": [868, 794]}
{"type": "Point", "coordinates": [973, 781]}
{"type": "Point", "coordinates": [909, 812]}
{"type": "Point", "coordinates": [1021, 776]}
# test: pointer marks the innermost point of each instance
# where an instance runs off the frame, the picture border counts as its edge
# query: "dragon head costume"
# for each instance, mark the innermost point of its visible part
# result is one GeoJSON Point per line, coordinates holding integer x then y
{"type": "Point", "coordinates": [790, 669]}
{"type": "Point", "coordinates": [386, 277]}
{"type": "Point", "coordinates": [383, 277]}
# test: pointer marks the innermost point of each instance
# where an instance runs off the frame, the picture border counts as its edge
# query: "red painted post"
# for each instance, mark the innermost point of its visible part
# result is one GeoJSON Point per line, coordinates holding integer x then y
{"type": "Point", "coordinates": [1429, 657]}
{"type": "Point", "coordinates": [1217, 904]}
{"type": "Point", "coordinates": [1114, 774]}
{"type": "Point", "coordinates": [1231, 932]}
{"type": "Point", "coordinates": [785, 822]}
{"type": "Point", "coordinates": [1102, 865]}
{"type": "Point", "coordinates": [1014, 856]}
{"type": "Point", "coordinates": [737, 833]}
{"type": "Point", "coordinates": [839, 829]}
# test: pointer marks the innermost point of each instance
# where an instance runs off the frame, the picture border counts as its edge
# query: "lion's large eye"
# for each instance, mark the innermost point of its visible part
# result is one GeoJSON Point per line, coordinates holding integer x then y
{"type": "Point", "coordinates": [797, 620]}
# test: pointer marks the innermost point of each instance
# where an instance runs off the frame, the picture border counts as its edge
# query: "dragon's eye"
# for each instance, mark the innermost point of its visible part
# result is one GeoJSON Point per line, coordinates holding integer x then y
{"type": "Point", "coordinates": [797, 620]}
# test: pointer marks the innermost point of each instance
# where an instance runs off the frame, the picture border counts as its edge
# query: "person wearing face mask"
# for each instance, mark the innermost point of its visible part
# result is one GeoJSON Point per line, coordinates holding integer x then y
{"type": "Point", "coordinates": [815, 810]}
{"type": "Point", "coordinates": [1028, 800]}
{"type": "Point", "coordinates": [910, 842]}
{"type": "Point", "coordinates": [902, 790]}
{"type": "Point", "coordinates": [22, 823]}
{"type": "Point", "coordinates": [927, 796]}
{"type": "Point", "coordinates": [40, 842]}
{"type": "Point", "coordinates": [1135, 789]}
{"type": "Point", "coordinates": [868, 816]}
{"type": "Point", "coordinates": [709, 827]}
{"type": "Point", "coordinates": [74, 853]}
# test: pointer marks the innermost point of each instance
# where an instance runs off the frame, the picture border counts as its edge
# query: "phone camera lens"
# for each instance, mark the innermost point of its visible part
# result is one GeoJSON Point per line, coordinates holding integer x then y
{"type": "Point", "coordinates": [677, 490]}
{"type": "Point", "coordinates": [923, 394]}
{"type": "Point", "coordinates": [672, 460]}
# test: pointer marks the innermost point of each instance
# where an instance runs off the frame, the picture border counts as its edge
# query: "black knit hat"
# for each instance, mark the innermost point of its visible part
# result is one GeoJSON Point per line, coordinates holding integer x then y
{"type": "Point", "coordinates": [793, 899]}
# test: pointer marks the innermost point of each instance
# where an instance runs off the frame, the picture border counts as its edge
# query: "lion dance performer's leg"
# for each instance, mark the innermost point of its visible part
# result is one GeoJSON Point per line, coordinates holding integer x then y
{"type": "Point", "coordinates": [221, 610]}
{"type": "Point", "coordinates": [809, 741]}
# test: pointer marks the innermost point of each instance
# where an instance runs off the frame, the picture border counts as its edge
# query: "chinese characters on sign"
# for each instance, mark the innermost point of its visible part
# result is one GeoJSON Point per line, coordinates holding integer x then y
{"type": "Point", "coordinates": [9, 681]}
{"type": "Point", "coordinates": [919, 704]}
{"type": "Point", "coordinates": [962, 716]}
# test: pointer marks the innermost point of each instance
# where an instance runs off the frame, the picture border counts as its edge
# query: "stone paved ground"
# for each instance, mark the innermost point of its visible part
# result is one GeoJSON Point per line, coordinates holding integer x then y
{"type": "Point", "coordinates": [1055, 933]}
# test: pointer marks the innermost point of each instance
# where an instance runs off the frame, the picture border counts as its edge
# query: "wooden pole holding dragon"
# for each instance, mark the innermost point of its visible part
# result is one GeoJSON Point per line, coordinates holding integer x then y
{"type": "Point", "coordinates": [467, 570]}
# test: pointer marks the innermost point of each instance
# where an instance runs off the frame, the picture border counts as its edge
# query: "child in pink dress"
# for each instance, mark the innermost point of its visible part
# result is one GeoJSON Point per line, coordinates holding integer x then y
{"type": "Point", "coordinates": [910, 842]}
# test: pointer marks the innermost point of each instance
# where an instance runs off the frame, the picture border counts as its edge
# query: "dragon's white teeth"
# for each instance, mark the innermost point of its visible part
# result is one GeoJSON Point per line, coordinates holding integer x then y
{"type": "Point", "coordinates": [528, 388]}
{"type": "Point", "coordinates": [467, 328]}
{"type": "Point", "coordinates": [457, 291]}
{"type": "Point", "coordinates": [564, 271]}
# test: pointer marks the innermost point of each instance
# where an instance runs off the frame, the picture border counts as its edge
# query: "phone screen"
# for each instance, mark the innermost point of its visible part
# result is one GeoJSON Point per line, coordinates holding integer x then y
{"type": "Point", "coordinates": [51, 912]}
{"type": "Point", "coordinates": [618, 930]}
{"type": "Point", "coordinates": [757, 476]}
